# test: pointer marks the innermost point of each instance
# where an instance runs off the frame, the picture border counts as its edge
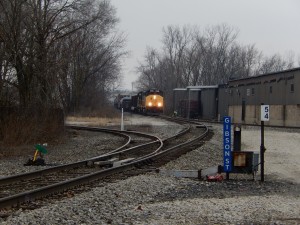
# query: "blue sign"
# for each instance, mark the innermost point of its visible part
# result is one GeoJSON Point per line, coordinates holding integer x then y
{"type": "Point", "coordinates": [227, 143]}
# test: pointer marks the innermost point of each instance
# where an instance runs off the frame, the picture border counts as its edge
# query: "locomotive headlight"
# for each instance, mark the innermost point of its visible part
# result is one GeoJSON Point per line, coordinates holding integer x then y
{"type": "Point", "coordinates": [154, 97]}
{"type": "Point", "coordinates": [159, 104]}
{"type": "Point", "coordinates": [150, 104]}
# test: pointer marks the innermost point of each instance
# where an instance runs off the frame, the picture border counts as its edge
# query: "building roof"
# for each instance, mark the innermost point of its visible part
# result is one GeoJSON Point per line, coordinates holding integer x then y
{"type": "Point", "coordinates": [179, 89]}
{"type": "Point", "coordinates": [195, 88]}
{"type": "Point", "coordinates": [267, 74]}
{"type": "Point", "coordinates": [201, 87]}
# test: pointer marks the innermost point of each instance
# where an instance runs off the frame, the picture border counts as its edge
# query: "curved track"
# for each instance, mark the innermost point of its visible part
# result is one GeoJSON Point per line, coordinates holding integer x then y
{"type": "Point", "coordinates": [60, 178]}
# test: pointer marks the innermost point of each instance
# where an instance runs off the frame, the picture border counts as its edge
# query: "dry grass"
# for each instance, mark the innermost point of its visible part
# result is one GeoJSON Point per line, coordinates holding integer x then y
{"type": "Point", "coordinates": [16, 131]}
{"type": "Point", "coordinates": [19, 132]}
{"type": "Point", "coordinates": [95, 121]}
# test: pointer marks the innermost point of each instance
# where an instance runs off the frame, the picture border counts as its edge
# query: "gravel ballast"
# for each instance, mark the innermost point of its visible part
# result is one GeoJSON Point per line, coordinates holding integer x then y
{"type": "Point", "coordinates": [156, 199]}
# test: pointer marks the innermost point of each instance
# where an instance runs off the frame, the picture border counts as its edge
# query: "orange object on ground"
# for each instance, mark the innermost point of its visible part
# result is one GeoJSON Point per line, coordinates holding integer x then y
{"type": "Point", "coordinates": [217, 177]}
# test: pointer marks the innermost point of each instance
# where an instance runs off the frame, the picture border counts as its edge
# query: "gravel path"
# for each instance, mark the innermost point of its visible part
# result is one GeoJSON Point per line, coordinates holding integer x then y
{"type": "Point", "coordinates": [80, 145]}
{"type": "Point", "coordinates": [283, 152]}
{"type": "Point", "coordinates": [156, 199]}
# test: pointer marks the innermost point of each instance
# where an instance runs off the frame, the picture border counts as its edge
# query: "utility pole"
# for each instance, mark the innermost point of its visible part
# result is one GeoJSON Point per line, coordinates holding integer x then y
{"type": "Point", "coordinates": [264, 116]}
{"type": "Point", "coordinates": [122, 121]}
{"type": "Point", "coordinates": [262, 154]}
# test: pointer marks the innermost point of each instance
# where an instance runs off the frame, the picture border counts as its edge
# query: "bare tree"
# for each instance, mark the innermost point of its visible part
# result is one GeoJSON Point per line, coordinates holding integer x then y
{"type": "Point", "coordinates": [59, 48]}
{"type": "Point", "coordinates": [148, 70]}
{"type": "Point", "coordinates": [176, 41]}
{"type": "Point", "coordinates": [191, 57]}
{"type": "Point", "coordinates": [274, 63]}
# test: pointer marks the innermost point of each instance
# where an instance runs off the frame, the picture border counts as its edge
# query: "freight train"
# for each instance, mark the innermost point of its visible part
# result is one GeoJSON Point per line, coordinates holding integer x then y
{"type": "Point", "coordinates": [149, 102]}
{"type": "Point", "coordinates": [240, 99]}
{"type": "Point", "coordinates": [118, 100]}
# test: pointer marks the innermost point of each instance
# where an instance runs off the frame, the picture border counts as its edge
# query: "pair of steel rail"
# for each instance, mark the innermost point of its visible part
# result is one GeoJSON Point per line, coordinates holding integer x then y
{"type": "Point", "coordinates": [61, 186]}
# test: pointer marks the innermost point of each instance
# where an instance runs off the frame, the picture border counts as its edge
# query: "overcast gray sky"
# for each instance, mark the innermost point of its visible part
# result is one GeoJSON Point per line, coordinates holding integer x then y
{"type": "Point", "coordinates": [272, 25]}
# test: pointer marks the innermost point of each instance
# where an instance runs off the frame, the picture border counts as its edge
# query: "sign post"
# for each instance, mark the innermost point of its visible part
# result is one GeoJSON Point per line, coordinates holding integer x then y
{"type": "Point", "coordinates": [122, 121]}
{"type": "Point", "coordinates": [264, 116]}
{"type": "Point", "coordinates": [227, 145]}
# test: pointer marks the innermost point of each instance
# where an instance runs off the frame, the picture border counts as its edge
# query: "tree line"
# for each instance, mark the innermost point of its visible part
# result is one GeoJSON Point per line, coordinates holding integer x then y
{"type": "Point", "coordinates": [58, 53]}
{"type": "Point", "coordinates": [190, 56]}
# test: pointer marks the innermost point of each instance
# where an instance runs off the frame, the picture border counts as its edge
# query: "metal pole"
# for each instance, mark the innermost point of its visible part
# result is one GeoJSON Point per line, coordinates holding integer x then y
{"type": "Point", "coordinates": [188, 114]}
{"type": "Point", "coordinates": [262, 150]}
{"type": "Point", "coordinates": [227, 176]}
{"type": "Point", "coordinates": [122, 123]}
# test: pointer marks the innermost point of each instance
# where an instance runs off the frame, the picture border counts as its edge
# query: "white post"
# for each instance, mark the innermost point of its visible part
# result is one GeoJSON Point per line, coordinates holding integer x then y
{"type": "Point", "coordinates": [189, 105]}
{"type": "Point", "coordinates": [122, 123]}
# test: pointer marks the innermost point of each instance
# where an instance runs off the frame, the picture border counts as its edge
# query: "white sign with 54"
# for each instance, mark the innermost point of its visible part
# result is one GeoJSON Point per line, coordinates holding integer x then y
{"type": "Point", "coordinates": [265, 113]}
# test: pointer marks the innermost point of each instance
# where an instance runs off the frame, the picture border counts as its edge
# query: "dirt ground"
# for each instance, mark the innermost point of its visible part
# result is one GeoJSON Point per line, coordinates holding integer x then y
{"type": "Point", "coordinates": [282, 154]}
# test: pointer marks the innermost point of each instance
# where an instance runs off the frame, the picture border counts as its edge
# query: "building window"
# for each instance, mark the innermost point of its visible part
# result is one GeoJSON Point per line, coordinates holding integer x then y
{"type": "Point", "coordinates": [248, 91]}
{"type": "Point", "coordinates": [292, 88]}
{"type": "Point", "coordinates": [252, 91]}
{"type": "Point", "coordinates": [271, 89]}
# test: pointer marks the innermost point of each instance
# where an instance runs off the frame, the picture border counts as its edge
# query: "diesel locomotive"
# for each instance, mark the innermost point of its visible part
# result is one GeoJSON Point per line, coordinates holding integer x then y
{"type": "Point", "coordinates": [149, 102]}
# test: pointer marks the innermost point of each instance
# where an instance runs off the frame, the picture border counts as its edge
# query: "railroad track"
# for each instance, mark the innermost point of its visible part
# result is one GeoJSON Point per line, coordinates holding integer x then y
{"type": "Point", "coordinates": [35, 185]}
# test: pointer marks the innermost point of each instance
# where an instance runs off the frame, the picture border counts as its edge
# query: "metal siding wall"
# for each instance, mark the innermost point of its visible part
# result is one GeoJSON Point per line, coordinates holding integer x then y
{"type": "Point", "coordinates": [270, 99]}
{"type": "Point", "coordinates": [292, 98]}
{"type": "Point", "coordinates": [282, 101]}
{"type": "Point", "coordinates": [208, 99]}
{"type": "Point", "coordinates": [223, 102]}
{"type": "Point", "coordinates": [297, 88]}
{"type": "Point", "coordinates": [284, 104]}
{"type": "Point", "coordinates": [280, 95]}
{"type": "Point", "coordinates": [281, 90]}
{"type": "Point", "coordinates": [178, 96]}
{"type": "Point", "coordinates": [194, 95]}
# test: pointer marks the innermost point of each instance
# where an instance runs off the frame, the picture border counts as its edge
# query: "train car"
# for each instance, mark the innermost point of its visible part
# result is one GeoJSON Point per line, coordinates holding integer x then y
{"type": "Point", "coordinates": [188, 109]}
{"type": "Point", "coordinates": [117, 100]}
{"type": "Point", "coordinates": [125, 103]}
{"type": "Point", "coordinates": [134, 99]}
{"type": "Point", "coordinates": [196, 102]}
{"type": "Point", "coordinates": [150, 102]}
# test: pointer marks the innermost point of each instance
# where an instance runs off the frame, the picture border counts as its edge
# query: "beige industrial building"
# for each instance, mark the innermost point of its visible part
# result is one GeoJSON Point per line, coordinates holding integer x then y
{"type": "Point", "coordinates": [242, 98]}
{"type": "Point", "coordinates": [279, 90]}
